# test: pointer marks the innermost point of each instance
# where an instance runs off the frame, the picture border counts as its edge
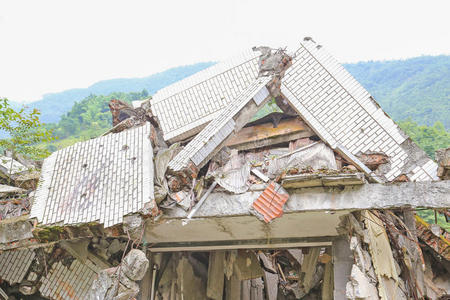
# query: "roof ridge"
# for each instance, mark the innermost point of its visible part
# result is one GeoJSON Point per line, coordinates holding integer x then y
{"type": "Point", "coordinates": [199, 77]}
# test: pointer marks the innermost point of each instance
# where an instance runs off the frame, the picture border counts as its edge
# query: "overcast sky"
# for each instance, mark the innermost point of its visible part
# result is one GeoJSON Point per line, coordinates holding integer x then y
{"type": "Point", "coordinates": [50, 46]}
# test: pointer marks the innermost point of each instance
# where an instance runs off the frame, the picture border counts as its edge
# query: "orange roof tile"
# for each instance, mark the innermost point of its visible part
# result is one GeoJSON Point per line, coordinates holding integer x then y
{"type": "Point", "coordinates": [271, 201]}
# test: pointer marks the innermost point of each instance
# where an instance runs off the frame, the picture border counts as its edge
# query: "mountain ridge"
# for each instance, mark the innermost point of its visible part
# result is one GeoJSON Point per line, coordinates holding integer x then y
{"type": "Point", "coordinates": [417, 88]}
{"type": "Point", "coordinates": [54, 105]}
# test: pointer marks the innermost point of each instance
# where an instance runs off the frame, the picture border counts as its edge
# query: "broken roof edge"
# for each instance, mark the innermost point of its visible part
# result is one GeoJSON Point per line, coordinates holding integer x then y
{"type": "Point", "coordinates": [326, 137]}
{"type": "Point", "coordinates": [211, 136]}
{"type": "Point", "coordinates": [206, 74]}
{"type": "Point", "coordinates": [423, 167]}
{"type": "Point", "coordinates": [44, 184]}
{"type": "Point", "coordinates": [132, 144]}
{"type": "Point", "coordinates": [201, 76]}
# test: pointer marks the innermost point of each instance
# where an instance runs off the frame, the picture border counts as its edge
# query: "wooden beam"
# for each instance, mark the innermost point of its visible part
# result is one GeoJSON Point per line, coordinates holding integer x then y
{"type": "Point", "coordinates": [262, 135]}
{"type": "Point", "coordinates": [214, 289]}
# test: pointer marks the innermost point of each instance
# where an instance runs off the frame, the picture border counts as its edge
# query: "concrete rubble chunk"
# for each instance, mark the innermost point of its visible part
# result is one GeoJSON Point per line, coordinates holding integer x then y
{"type": "Point", "coordinates": [135, 264]}
{"type": "Point", "coordinates": [119, 283]}
{"type": "Point", "coordinates": [162, 159]}
{"type": "Point", "coordinates": [10, 167]}
{"type": "Point", "coordinates": [120, 111]}
{"type": "Point", "coordinates": [132, 224]}
{"type": "Point", "coordinates": [359, 287]}
{"type": "Point", "coordinates": [315, 156]}
{"type": "Point", "coordinates": [6, 190]}
{"type": "Point", "coordinates": [309, 268]}
{"type": "Point", "coordinates": [115, 247]}
{"type": "Point", "coordinates": [373, 160]}
{"type": "Point", "coordinates": [443, 160]}
{"type": "Point", "coordinates": [102, 287]}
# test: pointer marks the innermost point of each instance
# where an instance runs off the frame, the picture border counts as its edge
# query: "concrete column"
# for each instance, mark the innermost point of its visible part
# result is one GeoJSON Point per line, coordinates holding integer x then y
{"type": "Point", "coordinates": [342, 262]}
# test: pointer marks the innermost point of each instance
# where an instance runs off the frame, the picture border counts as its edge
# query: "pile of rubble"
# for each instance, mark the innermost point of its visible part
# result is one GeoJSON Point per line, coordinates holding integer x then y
{"type": "Point", "coordinates": [183, 198]}
{"type": "Point", "coordinates": [18, 180]}
{"type": "Point", "coordinates": [245, 274]}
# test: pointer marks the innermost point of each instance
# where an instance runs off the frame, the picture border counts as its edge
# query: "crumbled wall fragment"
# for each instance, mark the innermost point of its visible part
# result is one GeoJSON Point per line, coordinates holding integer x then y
{"type": "Point", "coordinates": [135, 264]}
{"type": "Point", "coordinates": [443, 160]}
{"type": "Point", "coordinates": [359, 287]}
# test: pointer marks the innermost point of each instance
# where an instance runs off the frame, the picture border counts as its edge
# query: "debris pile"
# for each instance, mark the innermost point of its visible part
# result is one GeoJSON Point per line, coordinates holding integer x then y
{"type": "Point", "coordinates": [119, 283]}
{"type": "Point", "coordinates": [277, 153]}
{"type": "Point", "coordinates": [17, 183]}
{"type": "Point", "coordinates": [245, 274]}
{"type": "Point", "coordinates": [389, 260]}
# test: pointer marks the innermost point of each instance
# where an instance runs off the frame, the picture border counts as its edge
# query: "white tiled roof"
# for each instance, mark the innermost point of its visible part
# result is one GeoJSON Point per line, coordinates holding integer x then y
{"type": "Point", "coordinates": [202, 146]}
{"type": "Point", "coordinates": [14, 265]}
{"type": "Point", "coordinates": [184, 107]}
{"type": "Point", "coordinates": [68, 282]}
{"type": "Point", "coordinates": [341, 111]}
{"type": "Point", "coordinates": [101, 180]}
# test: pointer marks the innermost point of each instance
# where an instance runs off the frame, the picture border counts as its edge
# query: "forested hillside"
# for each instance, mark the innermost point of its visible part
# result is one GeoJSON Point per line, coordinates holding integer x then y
{"type": "Point", "coordinates": [87, 119]}
{"type": "Point", "coordinates": [414, 92]}
{"type": "Point", "coordinates": [53, 106]}
{"type": "Point", "coordinates": [416, 88]}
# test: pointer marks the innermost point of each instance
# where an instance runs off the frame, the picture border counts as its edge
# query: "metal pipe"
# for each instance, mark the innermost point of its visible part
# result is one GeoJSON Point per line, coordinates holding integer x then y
{"type": "Point", "coordinates": [155, 269]}
{"type": "Point", "coordinates": [195, 208]}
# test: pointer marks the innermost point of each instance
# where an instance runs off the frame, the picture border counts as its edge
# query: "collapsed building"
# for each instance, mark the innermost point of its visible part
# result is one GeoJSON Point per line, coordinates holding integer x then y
{"type": "Point", "coordinates": [266, 176]}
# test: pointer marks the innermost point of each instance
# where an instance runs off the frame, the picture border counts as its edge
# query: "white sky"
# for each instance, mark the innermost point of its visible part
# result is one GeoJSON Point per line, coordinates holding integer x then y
{"type": "Point", "coordinates": [54, 45]}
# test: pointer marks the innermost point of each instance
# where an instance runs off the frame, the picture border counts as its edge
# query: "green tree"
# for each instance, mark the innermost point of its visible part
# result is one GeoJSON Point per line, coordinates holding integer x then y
{"type": "Point", "coordinates": [23, 130]}
{"type": "Point", "coordinates": [429, 138]}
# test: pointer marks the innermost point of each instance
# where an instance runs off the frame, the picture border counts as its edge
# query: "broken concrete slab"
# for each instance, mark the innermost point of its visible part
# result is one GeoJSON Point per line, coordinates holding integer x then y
{"type": "Point", "coordinates": [443, 160]}
{"type": "Point", "coordinates": [314, 180]}
{"type": "Point", "coordinates": [6, 190]}
{"type": "Point", "coordinates": [328, 279]}
{"type": "Point", "coordinates": [233, 288]}
{"type": "Point", "coordinates": [15, 229]}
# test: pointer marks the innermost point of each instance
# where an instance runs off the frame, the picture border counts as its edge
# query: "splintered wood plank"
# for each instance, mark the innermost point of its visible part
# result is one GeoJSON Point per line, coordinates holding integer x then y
{"type": "Point", "coordinates": [327, 285]}
{"type": "Point", "coordinates": [233, 288]}
{"type": "Point", "coordinates": [247, 266]}
{"type": "Point", "coordinates": [265, 134]}
{"type": "Point", "coordinates": [214, 289]}
{"type": "Point", "coordinates": [309, 267]}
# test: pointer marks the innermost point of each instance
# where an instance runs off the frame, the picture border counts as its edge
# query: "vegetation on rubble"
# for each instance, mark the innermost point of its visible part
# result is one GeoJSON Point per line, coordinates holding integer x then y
{"type": "Point", "coordinates": [48, 234]}
{"type": "Point", "coordinates": [23, 130]}
{"type": "Point", "coordinates": [429, 217]}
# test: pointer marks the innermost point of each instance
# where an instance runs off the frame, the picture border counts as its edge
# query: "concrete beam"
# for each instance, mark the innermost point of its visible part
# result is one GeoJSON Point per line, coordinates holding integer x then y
{"type": "Point", "coordinates": [242, 232]}
{"type": "Point", "coordinates": [224, 221]}
{"type": "Point", "coordinates": [368, 196]}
